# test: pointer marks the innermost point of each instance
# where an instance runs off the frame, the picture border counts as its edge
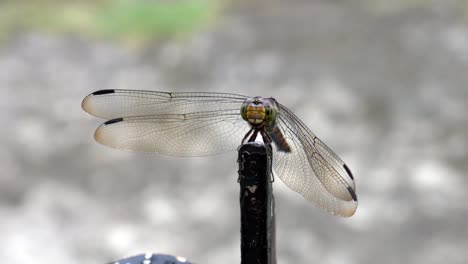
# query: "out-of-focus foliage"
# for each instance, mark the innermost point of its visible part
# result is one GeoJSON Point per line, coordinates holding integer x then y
{"type": "Point", "coordinates": [123, 19]}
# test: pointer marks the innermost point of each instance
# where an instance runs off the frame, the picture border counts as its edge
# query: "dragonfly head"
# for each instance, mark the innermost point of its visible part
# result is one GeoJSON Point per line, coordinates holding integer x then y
{"type": "Point", "coordinates": [259, 111]}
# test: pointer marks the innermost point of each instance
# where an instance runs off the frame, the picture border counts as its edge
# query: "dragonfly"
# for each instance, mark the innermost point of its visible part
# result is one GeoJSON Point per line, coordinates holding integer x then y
{"type": "Point", "coordinates": [208, 123]}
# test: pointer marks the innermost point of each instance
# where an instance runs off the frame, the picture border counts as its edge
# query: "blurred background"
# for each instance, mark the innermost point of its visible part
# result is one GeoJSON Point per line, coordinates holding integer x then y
{"type": "Point", "coordinates": [383, 83]}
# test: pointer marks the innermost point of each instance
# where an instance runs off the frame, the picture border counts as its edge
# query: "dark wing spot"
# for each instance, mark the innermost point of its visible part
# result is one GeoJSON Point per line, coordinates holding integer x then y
{"type": "Point", "coordinates": [112, 121]}
{"type": "Point", "coordinates": [107, 91]}
{"type": "Point", "coordinates": [348, 171]}
{"type": "Point", "coordinates": [353, 194]}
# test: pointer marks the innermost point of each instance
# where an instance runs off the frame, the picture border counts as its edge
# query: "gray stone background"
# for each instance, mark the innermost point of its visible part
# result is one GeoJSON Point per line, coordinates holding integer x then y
{"type": "Point", "coordinates": [383, 84]}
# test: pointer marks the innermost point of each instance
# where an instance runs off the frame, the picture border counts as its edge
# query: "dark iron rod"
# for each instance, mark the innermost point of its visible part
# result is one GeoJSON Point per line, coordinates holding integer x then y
{"type": "Point", "coordinates": [256, 204]}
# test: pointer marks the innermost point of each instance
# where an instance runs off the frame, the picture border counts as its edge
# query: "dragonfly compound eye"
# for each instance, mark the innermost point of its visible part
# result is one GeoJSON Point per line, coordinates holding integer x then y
{"type": "Point", "coordinates": [244, 112]}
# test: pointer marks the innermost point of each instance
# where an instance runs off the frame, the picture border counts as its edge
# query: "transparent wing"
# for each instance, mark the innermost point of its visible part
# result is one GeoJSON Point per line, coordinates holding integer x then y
{"type": "Point", "coordinates": [312, 169]}
{"type": "Point", "coordinates": [123, 103]}
{"type": "Point", "coordinates": [193, 134]}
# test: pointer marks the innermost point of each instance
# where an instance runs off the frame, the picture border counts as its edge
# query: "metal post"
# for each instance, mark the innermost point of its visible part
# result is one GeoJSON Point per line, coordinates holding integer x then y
{"type": "Point", "coordinates": [256, 204]}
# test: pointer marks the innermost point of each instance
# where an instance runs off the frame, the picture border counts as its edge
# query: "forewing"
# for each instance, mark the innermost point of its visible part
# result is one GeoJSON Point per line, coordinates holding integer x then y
{"type": "Point", "coordinates": [312, 169]}
{"type": "Point", "coordinates": [110, 104]}
{"type": "Point", "coordinates": [194, 134]}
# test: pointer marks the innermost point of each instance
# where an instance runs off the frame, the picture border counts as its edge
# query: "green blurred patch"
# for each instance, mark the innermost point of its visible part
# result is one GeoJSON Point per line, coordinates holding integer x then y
{"type": "Point", "coordinates": [123, 19]}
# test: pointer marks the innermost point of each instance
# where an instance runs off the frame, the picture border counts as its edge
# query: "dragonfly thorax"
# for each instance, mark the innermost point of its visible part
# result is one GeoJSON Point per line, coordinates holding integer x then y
{"type": "Point", "coordinates": [259, 112]}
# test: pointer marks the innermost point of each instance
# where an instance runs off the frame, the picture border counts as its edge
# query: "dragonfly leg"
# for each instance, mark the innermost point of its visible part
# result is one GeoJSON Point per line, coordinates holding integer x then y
{"type": "Point", "coordinates": [266, 137]}
{"type": "Point", "coordinates": [247, 135]}
{"type": "Point", "coordinates": [254, 135]}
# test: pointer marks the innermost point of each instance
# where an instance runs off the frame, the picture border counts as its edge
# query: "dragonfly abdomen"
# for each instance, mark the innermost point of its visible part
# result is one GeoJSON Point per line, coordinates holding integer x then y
{"type": "Point", "coordinates": [280, 141]}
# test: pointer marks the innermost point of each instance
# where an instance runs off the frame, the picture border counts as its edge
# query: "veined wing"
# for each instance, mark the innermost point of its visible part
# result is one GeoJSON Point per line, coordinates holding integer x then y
{"type": "Point", "coordinates": [110, 104]}
{"type": "Point", "coordinates": [192, 134]}
{"type": "Point", "coordinates": [312, 169]}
